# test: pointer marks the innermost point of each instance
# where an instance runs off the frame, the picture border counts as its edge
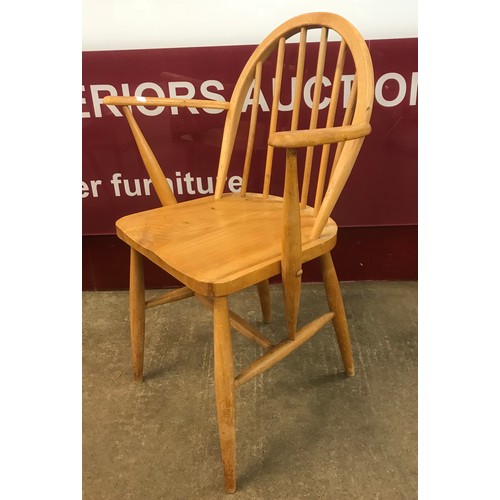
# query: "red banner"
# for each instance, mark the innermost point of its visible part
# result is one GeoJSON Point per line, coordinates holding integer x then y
{"type": "Point", "coordinates": [381, 191]}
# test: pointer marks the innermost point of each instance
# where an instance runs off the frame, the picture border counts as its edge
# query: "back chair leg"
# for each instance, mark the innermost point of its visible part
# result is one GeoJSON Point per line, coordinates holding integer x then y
{"type": "Point", "coordinates": [265, 300]}
{"type": "Point", "coordinates": [225, 391]}
{"type": "Point", "coordinates": [336, 305]}
{"type": "Point", "coordinates": [137, 313]}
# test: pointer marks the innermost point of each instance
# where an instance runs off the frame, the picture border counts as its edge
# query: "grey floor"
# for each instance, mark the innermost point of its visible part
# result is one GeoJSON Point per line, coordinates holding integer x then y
{"type": "Point", "coordinates": [304, 429]}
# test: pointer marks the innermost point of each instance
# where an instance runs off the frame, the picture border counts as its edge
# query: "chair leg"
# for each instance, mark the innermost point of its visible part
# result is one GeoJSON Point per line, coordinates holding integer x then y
{"type": "Point", "coordinates": [265, 300]}
{"type": "Point", "coordinates": [336, 305]}
{"type": "Point", "coordinates": [225, 391]}
{"type": "Point", "coordinates": [137, 313]}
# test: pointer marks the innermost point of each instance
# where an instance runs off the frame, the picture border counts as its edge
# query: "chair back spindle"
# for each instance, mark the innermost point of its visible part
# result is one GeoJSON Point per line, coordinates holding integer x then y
{"type": "Point", "coordinates": [332, 108]}
{"type": "Point", "coordinates": [314, 116]}
{"type": "Point", "coordinates": [299, 78]}
{"type": "Point", "coordinates": [253, 125]}
{"type": "Point", "coordinates": [274, 114]}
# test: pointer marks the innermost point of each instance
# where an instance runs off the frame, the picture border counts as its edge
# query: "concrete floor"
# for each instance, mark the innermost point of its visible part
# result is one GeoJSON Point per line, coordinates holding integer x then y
{"type": "Point", "coordinates": [304, 429]}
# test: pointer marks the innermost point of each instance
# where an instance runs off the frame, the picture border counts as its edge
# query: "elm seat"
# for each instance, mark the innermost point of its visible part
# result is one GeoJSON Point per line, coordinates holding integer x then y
{"type": "Point", "coordinates": [226, 242]}
{"type": "Point", "coordinates": [196, 241]}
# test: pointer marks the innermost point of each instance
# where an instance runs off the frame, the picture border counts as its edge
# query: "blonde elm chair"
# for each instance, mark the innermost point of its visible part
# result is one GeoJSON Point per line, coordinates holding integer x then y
{"type": "Point", "coordinates": [220, 244]}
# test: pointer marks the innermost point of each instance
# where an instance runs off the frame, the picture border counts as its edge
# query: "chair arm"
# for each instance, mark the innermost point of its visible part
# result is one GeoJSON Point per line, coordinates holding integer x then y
{"type": "Point", "coordinates": [316, 137]}
{"type": "Point", "coordinates": [163, 101]}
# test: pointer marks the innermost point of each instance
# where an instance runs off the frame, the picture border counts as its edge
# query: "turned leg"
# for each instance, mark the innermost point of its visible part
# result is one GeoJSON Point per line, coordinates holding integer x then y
{"type": "Point", "coordinates": [336, 305]}
{"type": "Point", "coordinates": [265, 300]}
{"type": "Point", "coordinates": [225, 391]}
{"type": "Point", "coordinates": [137, 313]}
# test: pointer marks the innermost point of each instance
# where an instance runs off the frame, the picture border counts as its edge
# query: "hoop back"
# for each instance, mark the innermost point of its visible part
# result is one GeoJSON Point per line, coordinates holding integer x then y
{"type": "Point", "coordinates": [312, 101]}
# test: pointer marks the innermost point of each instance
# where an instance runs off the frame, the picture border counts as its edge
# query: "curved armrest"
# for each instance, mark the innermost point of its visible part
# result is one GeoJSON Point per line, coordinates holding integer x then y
{"type": "Point", "coordinates": [163, 101]}
{"type": "Point", "coordinates": [301, 138]}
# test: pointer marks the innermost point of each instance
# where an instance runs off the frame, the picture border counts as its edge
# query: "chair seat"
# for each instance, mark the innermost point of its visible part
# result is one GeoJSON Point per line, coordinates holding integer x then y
{"type": "Point", "coordinates": [219, 247]}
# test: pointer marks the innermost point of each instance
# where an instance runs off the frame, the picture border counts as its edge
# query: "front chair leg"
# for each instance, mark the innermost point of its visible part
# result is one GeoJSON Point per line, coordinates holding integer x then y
{"type": "Point", "coordinates": [137, 313]}
{"type": "Point", "coordinates": [225, 391]}
{"type": "Point", "coordinates": [265, 300]}
{"type": "Point", "coordinates": [336, 305]}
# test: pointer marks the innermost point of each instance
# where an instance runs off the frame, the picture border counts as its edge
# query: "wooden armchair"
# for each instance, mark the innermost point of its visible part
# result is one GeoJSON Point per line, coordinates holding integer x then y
{"type": "Point", "coordinates": [220, 244]}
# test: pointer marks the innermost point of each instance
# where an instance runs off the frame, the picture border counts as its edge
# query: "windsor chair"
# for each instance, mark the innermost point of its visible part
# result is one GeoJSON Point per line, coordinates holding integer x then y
{"type": "Point", "coordinates": [220, 244]}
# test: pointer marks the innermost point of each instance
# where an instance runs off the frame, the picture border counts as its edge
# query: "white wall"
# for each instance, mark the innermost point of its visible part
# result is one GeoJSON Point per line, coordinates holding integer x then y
{"type": "Point", "coordinates": [137, 24]}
